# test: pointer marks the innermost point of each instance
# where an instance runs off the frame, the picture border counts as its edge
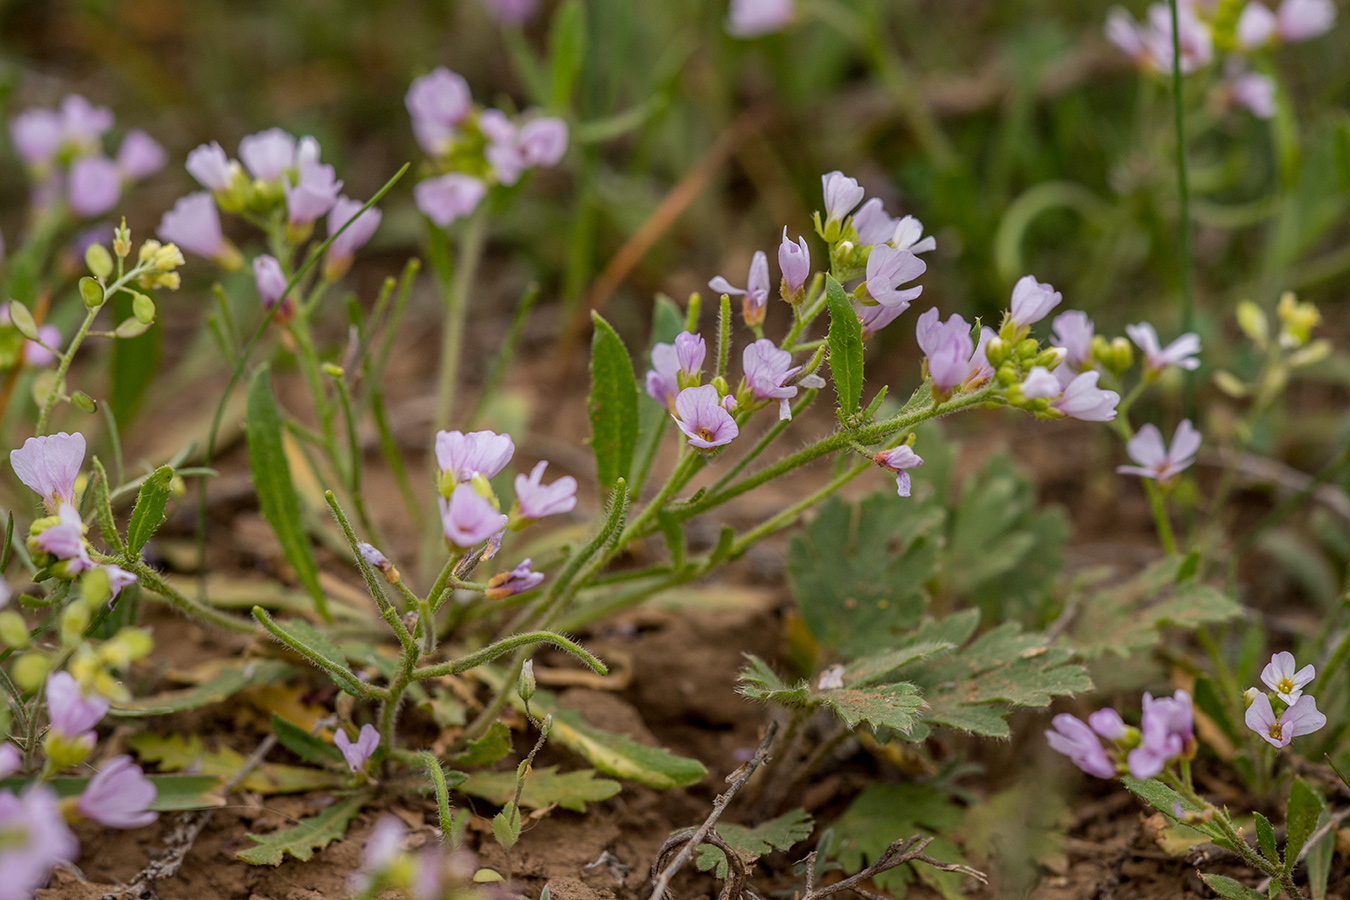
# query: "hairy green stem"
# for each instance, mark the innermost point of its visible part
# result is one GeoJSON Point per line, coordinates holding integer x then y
{"type": "Point", "coordinates": [506, 645]}
{"type": "Point", "coordinates": [151, 580]}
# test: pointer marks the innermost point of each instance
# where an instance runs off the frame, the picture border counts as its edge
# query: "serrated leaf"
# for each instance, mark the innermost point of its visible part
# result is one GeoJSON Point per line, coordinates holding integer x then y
{"type": "Point", "coordinates": [750, 844]}
{"type": "Point", "coordinates": [613, 405]}
{"type": "Point", "coordinates": [234, 676]}
{"type": "Point", "coordinates": [1265, 838]}
{"type": "Point", "coordinates": [1229, 889]}
{"type": "Point", "coordinates": [148, 514]}
{"type": "Point", "coordinates": [846, 347]}
{"type": "Point", "coordinates": [173, 793]}
{"type": "Point", "coordinates": [759, 682]}
{"type": "Point", "coordinates": [309, 747]}
{"type": "Point", "coordinates": [883, 813]}
{"type": "Point", "coordinates": [544, 787]}
{"type": "Point", "coordinates": [880, 667]}
{"type": "Point", "coordinates": [177, 752]}
{"type": "Point", "coordinates": [884, 706]}
{"type": "Point", "coordinates": [1300, 819]}
{"type": "Point", "coordinates": [272, 481]}
{"type": "Point", "coordinates": [315, 646]}
{"type": "Point", "coordinates": [491, 747]}
{"type": "Point", "coordinates": [308, 835]}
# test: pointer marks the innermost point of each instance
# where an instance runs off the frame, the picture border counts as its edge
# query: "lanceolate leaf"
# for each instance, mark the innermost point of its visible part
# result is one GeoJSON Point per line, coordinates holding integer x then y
{"type": "Point", "coordinates": [1230, 889]}
{"type": "Point", "coordinates": [233, 677]}
{"type": "Point", "coordinates": [1300, 819]}
{"type": "Point", "coordinates": [570, 790]}
{"type": "Point", "coordinates": [172, 792]}
{"type": "Point", "coordinates": [846, 347]}
{"type": "Point", "coordinates": [148, 514]}
{"type": "Point", "coordinates": [272, 480]}
{"type": "Point", "coordinates": [613, 405]}
{"type": "Point", "coordinates": [176, 752]}
{"type": "Point", "coordinates": [307, 836]}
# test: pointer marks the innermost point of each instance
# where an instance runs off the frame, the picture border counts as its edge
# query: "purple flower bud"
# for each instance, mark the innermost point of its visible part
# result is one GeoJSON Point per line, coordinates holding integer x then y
{"type": "Point", "coordinates": [1032, 300]}
{"type": "Point", "coordinates": [511, 12]}
{"type": "Point", "coordinates": [1073, 332]}
{"type": "Point", "coordinates": [690, 351]}
{"type": "Point", "coordinates": [445, 198]}
{"type": "Point", "coordinates": [94, 186]}
{"type": "Point", "coordinates": [841, 195]}
{"type": "Point", "coordinates": [1181, 352]}
{"type": "Point", "coordinates": [1301, 717]}
{"type": "Point", "coordinates": [118, 578]}
{"type": "Point", "coordinates": [948, 347]}
{"type": "Point", "coordinates": [1072, 737]}
{"type": "Point", "coordinates": [543, 141]}
{"type": "Point", "coordinates": [1253, 92]}
{"type": "Point", "coordinates": [359, 753]}
{"type": "Point", "coordinates": [1166, 728]}
{"type": "Point", "coordinates": [316, 190]}
{"type": "Point", "coordinates": [794, 260]}
{"type": "Point", "coordinates": [10, 760]}
{"type": "Point", "coordinates": [36, 134]}
{"type": "Point", "coordinates": [270, 280]}
{"type": "Point", "coordinates": [372, 556]}
{"type": "Point", "coordinates": [73, 716]}
{"type": "Point", "coordinates": [119, 796]}
{"type": "Point", "coordinates": [517, 581]}
{"type": "Point", "coordinates": [268, 154]}
{"type": "Point", "coordinates": [897, 460]}
{"type": "Point", "coordinates": [345, 245]}
{"type": "Point", "coordinates": [754, 18]}
{"type": "Point", "coordinates": [83, 123]}
{"type": "Point", "coordinates": [194, 225]}
{"type": "Point", "coordinates": [36, 840]}
{"type": "Point", "coordinates": [1301, 20]}
{"type": "Point", "coordinates": [699, 414]}
{"type": "Point", "coordinates": [1153, 460]}
{"type": "Point", "coordinates": [766, 369]}
{"type": "Point", "coordinates": [756, 293]}
{"type": "Point", "coordinates": [909, 236]}
{"type": "Point", "coordinates": [437, 102]}
{"type": "Point", "coordinates": [49, 465]}
{"type": "Point", "coordinates": [468, 519]}
{"type": "Point", "coordinates": [140, 155]}
{"type": "Point", "coordinates": [872, 223]}
{"type": "Point", "coordinates": [887, 269]}
{"type": "Point", "coordinates": [477, 453]}
{"type": "Point", "coordinates": [211, 167]}
{"type": "Point", "coordinates": [1108, 723]}
{"type": "Point", "coordinates": [536, 501]}
{"type": "Point", "coordinates": [1280, 677]}
{"type": "Point", "coordinates": [1040, 383]}
{"type": "Point", "coordinates": [663, 377]}
{"type": "Point", "coordinates": [1082, 399]}
{"type": "Point", "coordinates": [1256, 26]}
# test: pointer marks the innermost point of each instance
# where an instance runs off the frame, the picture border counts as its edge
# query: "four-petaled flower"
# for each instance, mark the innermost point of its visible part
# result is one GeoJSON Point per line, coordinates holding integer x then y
{"type": "Point", "coordinates": [468, 518]}
{"type": "Point", "coordinates": [1157, 461]}
{"type": "Point", "coordinates": [756, 292]}
{"type": "Point", "coordinates": [1032, 301]}
{"type": "Point", "coordinates": [700, 415]}
{"type": "Point", "coordinates": [1301, 717]}
{"type": "Point", "coordinates": [357, 753]}
{"type": "Point", "coordinates": [1072, 737]}
{"type": "Point", "coordinates": [1280, 677]}
{"type": "Point", "coordinates": [535, 501]}
{"type": "Point", "coordinates": [1181, 352]}
{"type": "Point", "coordinates": [119, 796]}
{"type": "Point", "coordinates": [897, 460]}
{"type": "Point", "coordinates": [49, 466]}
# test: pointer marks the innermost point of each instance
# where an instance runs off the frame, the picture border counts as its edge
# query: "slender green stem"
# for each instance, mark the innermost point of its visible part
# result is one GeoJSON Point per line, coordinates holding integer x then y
{"type": "Point", "coordinates": [151, 580]}
{"type": "Point", "coordinates": [455, 299]}
{"type": "Point", "coordinates": [387, 610]}
{"type": "Point", "coordinates": [62, 369]}
{"type": "Point", "coordinates": [1184, 195]}
{"type": "Point", "coordinates": [1159, 507]}
{"type": "Point", "coordinates": [506, 645]}
{"type": "Point", "coordinates": [763, 443]}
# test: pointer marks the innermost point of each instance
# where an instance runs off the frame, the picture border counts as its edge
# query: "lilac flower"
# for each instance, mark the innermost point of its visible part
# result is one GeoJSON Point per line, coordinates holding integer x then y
{"type": "Point", "coordinates": [1180, 352]}
{"type": "Point", "coordinates": [1197, 43]}
{"type": "Point", "coordinates": [897, 460]}
{"type": "Point", "coordinates": [1159, 462]}
{"type": "Point", "coordinates": [875, 317]}
{"type": "Point", "coordinates": [468, 519]}
{"type": "Point", "coordinates": [359, 753]}
{"type": "Point", "coordinates": [1256, 26]}
{"type": "Point", "coordinates": [372, 556]}
{"type": "Point", "coordinates": [83, 123]}
{"type": "Point", "coordinates": [1040, 384]}
{"type": "Point", "coordinates": [1301, 20]}
{"type": "Point", "coordinates": [766, 369]}
{"type": "Point", "coordinates": [872, 223]}
{"type": "Point", "coordinates": [501, 152]}
{"type": "Point", "coordinates": [909, 236]}
{"type": "Point", "coordinates": [1032, 301]}
{"type": "Point", "coordinates": [512, 12]}
{"type": "Point", "coordinates": [980, 369]}
{"type": "Point", "coordinates": [445, 198]}
{"type": "Point", "coordinates": [536, 501]}
{"type": "Point", "coordinates": [36, 840]}
{"type": "Point", "coordinates": [140, 155]}
{"type": "Point", "coordinates": [1073, 333]}
{"type": "Point", "coordinates": [268, 154]}
{"type": "Point", "coordinates": [339, 255]}
{"type": "Point", "coordinates": [10, 760]}
{"type": "Point", "coordinates": [316, 190]}
{"type": "Point", "coordinates": [1301, 717]}
{"type": "Point", "coordinates": [383, 848]}
{"type": "Point", "coordinates": [841, 195]}
{"type": "Point", "coordinates": [756, 291]}
{"type": "Point", "coordinates": [1166, 730]}
{"type": "Point", "coordinates": [36, 134]}
{"type": "Point", "coordinates": [65, 540]}
{"type": "Point", "coordinates": [1082, 399]}
{"type": "Point", "coordinates": [1108, 723]}
{"type": "Point", "coordinates": [194, 225]}
{"type": "Point", "coordinates": [463, 456]}
{"type": "Point", "coordinates": [663, 377]}
{"type": "Point", "coordinates": [948, 347]}
{"type": "Point", "coordinates": [211, 167]}
{"type": "Point", "coordinates": [118, 578]}
{"type": "Point", "coordinates": [754, 18]}
{"type": "Point", "coordinates": [517, 581]}
{"type": "Point", "coordinates": [1280, 677]}
{"type": "Point", "coordinates": [1122, 31]}
{"type": "Point", "coordinates": [269, 279]}
{"type": "Point", "coordinates": [1072, 737]}
{"type": "Point", "coordinates": [119, 796]}
{"type": "Point", "coordinates": [887, 269]}
{"type": "Point", "coordinates": [543, 141]}
{"type": "Point", "coordinates": [49, 465]}
{"type": "Point", "coordinates": [1254, 92]}
{"type": "Point", "coordinates": [73, 716]}
{"type": "Point", "coordinates": [437, 102]}
{"type": "Point", "coordinates": [699, 414]}
{"type": "Point", "coordinates": [94, 185]}
{"type": "Point", "coordinates": [690, 350]}
{"type": "Point", "coordinates": [794, 260]}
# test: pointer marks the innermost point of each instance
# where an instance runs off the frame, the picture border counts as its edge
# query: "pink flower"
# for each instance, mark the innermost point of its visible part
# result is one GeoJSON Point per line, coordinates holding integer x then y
{"type": "Point", "coordinates": [83, 123]}
{"type": "Point", "coordinates": [36, 354]}
{"type": "Point", "coordinates": [211, 167]}
{"type": "Point", "coordinates": [872, 223]}
{"type": "Point", "coordinates": [887, 269]}
{"type": "Point", "coordinates": [94, 185]}
{"type": "Point", "coordinates": [663, 377]}
{"type": "Point", "coordinates": [1280, 677]}
{"type": "Point", "coordinates": [269, 279]}
{"type": "Point", "coordinates": [119, 796]}
{"type": "Point", "coordinates": [517, 581]}
{"type": "Point", "coordinates": [36, 839]}
{"type": "Point", "coordinates": [794, 260]}
{"type": "Point", "coordinates": [338, 258]}
{"type": "Point", "coordinates": [118, 578]}
{"type": "Point", "coordinates": [897, 460]}
{"type": "Point", "coordinates": [73, 716]}
{"type": "Point", "coordinates": [359, 753]}
{"type": "Point", "coordinates": [1082, 399]}
{"type": "Point", "coordinates": [754, 18]}
{"type": "Point", "coordinates": [543, 141]}
{"type": "Point", "coordinates": [10, 760]}
{"type": "Point", "coordinates": [1072, 737]}
{"type": "Point", "coordinates": [536, 501]}
{"type": "Point", "coordinates": [1180, 352]}
{"type": "Point", "coordinates": [468, 519]}
{"type": "Point", "coordinates": [49, 465]}
{"type": "Point", "coordinates": [842, 194]}
{"type": "Point", "coordinates": [1073, 333]}
{"type": "Point", "coordinates": [438, 103]}
{"type": "Point", "coordinates": [948, 347]}
{"type": "Point", "coordinates": [1159, 462]}
{"type": "Point", "coordinates": [1301, 717]}
{"type": "Point", "coordinates": [766, 369]}
{"type": "Point", "coordinates": [65, 540]}
{"type": "Point", "coordinates": [268, 154]}
{"type": "Point", "coordinates": [1108, 723]}
{"type": "Point", "coordinates": [445, 198]}
{"type": "Point", "coordinates": [756, 291]}
{"type": "Point", "coordinates": [909, 236]}
{"type": "Point", "coordinates": [477, 453]}
{"type": "Point", "coordinates": [1256, 26]}
{"type": "Point", "coordinates": [1254, 92]}
{"type": "Point", "coordinates": [1166, 729]}
{"type": "Point", "coordinates": [1301, 20]}
{"type": "Point", "coordinates": [194, 225]}
{"type": "Point", "coordinates": [316, 190]}
{"type": "Point", "coordinates": [36, 134]}
{"type": "Point", "coordinates": [511, 12]}
{"type": "Point", "coordinates": [1040, 384]}
{"type": "Point", "coordinates": [700, 415]}
{"type": "Point", "coordinates": [1032, 300]}
{"type": "Point", "coordinates": [140, 155]}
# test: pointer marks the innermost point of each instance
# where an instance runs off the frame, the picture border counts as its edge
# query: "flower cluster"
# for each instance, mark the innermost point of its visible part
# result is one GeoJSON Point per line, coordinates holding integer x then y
{"type": "Point", "coordinates": [63, 151]}
{"type": "Point", "coordinates": [1207, 28]}
{"type": "Point", "coordinates": [1166, 733]}
{"type": "Point", "coordinates": [1297, 711]}
{"type": "Point", "coordinates": [472, 148]}
{"type": "Point", "coordinates": [430, 873]}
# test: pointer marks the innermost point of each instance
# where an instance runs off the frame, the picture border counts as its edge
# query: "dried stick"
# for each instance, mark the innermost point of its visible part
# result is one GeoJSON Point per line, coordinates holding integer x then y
{"type": "Point", "coordinates": [704, 833]}
{"type": "Point", "coordinates": [897, 854]}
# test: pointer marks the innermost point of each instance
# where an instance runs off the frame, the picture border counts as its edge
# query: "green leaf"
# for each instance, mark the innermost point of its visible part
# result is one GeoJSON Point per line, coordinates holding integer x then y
{"type": "Point", "coordinates": [781, 833]}
{"type": "Point", "coordinates": [1164, 800]}
{"type": "Point", "coordinates": [1265, 838]}
{"type": "Point", "coordinates": [846, 348]}
{"type": "Point", "coordinates": [315, 646]}
{"type": "Point", "coordinates": [613, 405]}
{"type": "Point", "coordinates": [134, 363]}
{"type": "Point", "coordinates": [566, 50]}
{"type": "Point", "coordinates": [506, 826]}
{"type": "Point", "coordinates": [1300, 820]}
{"type": "Point", "coordinates": [272, 481]}
{"type": "Point", "coordinates": [233, 677]}
{"type": "Point", "coordinates": [1318, 860]}
{"type": "Point", "coordinates": [759, 682]}
{"type": "Point", "coordinates": [879, 668]}
{"type": "Point", "coordinates": [886, 706]}
{"type": "Point", "coordinates": [148, 513]}
{"type": "Point", "coordinates": [1230, 889]}
{"type": "Point", "coordinates": [96, 494]}
{"type": "Point", "coordinates": [307, 836]}
{"type": "Point", "coordinates": [883, 813]}
{"type": "Point", "coordinates": [176, 752]}
{"type": "Point", "coordinates": [487, 749]}
{"type": "Point", "coordinates": [309, 747]}
{"type": "Point", "coordinates": [173, 793]}
{"type": "Point", "coordinates": [570, 790]}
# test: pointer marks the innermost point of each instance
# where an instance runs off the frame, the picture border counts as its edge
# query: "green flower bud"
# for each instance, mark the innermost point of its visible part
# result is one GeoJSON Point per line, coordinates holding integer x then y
{"type": "Point", "coordinates": [13, 631]}
{"type": "Point", "coordinates": [99, 260]}
{"type": "Point", "coordinates": [122, 240]}
{"type": "Point", "coordinates": [527, 684]}
{"type": "Point", "coordinates": [1253, 323]}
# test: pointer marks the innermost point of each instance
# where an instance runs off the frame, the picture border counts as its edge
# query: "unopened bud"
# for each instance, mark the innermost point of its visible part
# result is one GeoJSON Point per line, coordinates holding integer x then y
{"type": "Point", "coordinates": [1253, 323]}
{"type": "Point", "coordinates": [143, 308]}
{"type": "Point", "coordinates": [83, 402]}
{"type": "Point", "coordinates": [527, 684]}
{"type": "Point", "coordinates": [1028, 348]}
{"type": "Point", "coordinates": [1249, 696]}
{"type": "Point", "coordinates": [996, 351]}
{"type": "Point", "coordinates": [91, 292]}
{"type": "Point", "coordinates": [122, 240]}
{"type": "Point", "coordinates": [99, 260]}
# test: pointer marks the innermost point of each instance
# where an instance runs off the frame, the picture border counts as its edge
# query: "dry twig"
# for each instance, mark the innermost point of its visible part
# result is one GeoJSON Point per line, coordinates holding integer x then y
{"type": "Point", "coordinates": [897, 854]}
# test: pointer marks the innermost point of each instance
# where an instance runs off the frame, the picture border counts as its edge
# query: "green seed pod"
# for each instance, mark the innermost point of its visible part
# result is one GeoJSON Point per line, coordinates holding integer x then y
{"type": "Point", "coordinates": [22, 319]}
{"type": "Point", "coordinates": [99, 260]}
{"type": "Point", "coordinates": [83, 402]}
{"type": "Point", "coordinates": [91, 292]}
{"type": "Point", "coordinates": [143, 308]}
{"type": "Point", "coordinates": [13, 631]}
